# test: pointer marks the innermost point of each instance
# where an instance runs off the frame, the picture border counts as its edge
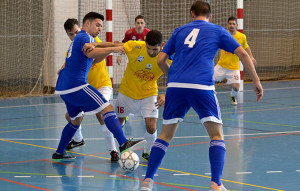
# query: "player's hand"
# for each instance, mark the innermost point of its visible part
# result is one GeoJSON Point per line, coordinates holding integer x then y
{"type": "Point", "coordinates": [119, 49]}
{"type": "Point", "coordinates": [258, 89]}
{"type": "Point", "coordinates": [254, 61]}
{"type": "Point", "coordinates": [119, 60]}
{"type": "Point", "coordinates": [88, 47]}
{"type": "Point", "coordinates": [118, 42]}
{"type": "Point", "coordinates": [160, 101]}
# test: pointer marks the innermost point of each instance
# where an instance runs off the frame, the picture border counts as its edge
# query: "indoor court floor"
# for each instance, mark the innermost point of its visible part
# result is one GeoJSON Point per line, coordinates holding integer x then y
{"type": "Point", "coordinates": [262, 142]}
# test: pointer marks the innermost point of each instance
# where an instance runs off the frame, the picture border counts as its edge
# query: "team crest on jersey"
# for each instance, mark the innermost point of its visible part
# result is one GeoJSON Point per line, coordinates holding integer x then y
{"type": "Point", "coordinates": [138, 47]}
{"type": "Point", "coordinates": [144, 75]}
{"type": "Point", "coordinates": [140, 58]}
{"type": "Point", "coordinates": [133, 37]}
{"type": "Point", "coordinates": [149, 66]}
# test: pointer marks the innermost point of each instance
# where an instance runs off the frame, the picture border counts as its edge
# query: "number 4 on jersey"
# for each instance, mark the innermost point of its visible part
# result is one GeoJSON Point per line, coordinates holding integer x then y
{"type": "Point", "coordinates": [191, 38]}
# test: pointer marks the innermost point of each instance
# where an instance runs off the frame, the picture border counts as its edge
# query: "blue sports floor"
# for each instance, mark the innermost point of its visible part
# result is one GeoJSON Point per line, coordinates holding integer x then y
{"type": "Point", "coordinates": [262, 141]}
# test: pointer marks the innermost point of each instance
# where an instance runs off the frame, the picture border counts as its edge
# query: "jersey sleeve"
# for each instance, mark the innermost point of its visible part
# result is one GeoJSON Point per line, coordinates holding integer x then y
{"type": "Point", "coordinates": [244, 43]}
{"type": "Point", "coordinates": [169, 47]}
{"type": "Point", "coordinates": [227, 42]}
{"type": "Point", "coordinates": [85, 39]}
{"type": "Point", "coordinates": [125, 37]}
{"type": "Point", "coordinates": [128, 46]}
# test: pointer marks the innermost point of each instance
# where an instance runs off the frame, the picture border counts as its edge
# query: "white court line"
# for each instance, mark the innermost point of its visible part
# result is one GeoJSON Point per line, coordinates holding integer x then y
{"type": "Point", "coordinates": [270, 89]}
{"type": "Point", "coordinates": [180, 174]}
{"type": "Point", "coordinates": [114, 176]}
{"type": "Point", "coordinates": [53, 176]}
{"type": "Point", "coordinates": [22, 176]}
{"type": "Point", "coordinates": [85, 176]}
{"type": "Point", "coordinates": [243, 173]}
{"type": "Point", "coordinates": [297, 170]}
{"type": "Point", "coordinates": [154, 175]}
{"type": "Point", "coordinates": [208, 173]}
{"type": "Point", "coordinates": [273, 171]}
{"type": "Point", "coordinates": [16, 106]}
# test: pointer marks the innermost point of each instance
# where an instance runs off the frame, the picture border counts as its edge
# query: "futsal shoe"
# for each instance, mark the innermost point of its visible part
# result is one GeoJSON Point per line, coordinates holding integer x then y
{"type": "Point", "coordinates": [72, 144]}
{"type": "Point", "coordinates": [233, 100]}
{"type": "Point", "coordinates": [124, 123]}
{"type": "Point", "coordinates": [145, 156]}
{"type": "Point", "coordinates": [114, 157]}
{"type": "Point", "coordinates": [147, 185]}
{"type": "Point", "coordinates": [59, 157]}
{"type": "Point", "coordinates": [132, 145]}
{"type": "Point", "coordinates": [214, 187]}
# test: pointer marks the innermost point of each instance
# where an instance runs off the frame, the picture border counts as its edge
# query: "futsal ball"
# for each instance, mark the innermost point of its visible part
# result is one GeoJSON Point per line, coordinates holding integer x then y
{"type": "Point", "coordinates": [129, 161]}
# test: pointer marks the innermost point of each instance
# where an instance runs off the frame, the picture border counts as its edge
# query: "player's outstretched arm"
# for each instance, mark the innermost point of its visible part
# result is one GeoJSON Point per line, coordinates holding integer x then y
{"type": "Point", "coordinates": [100, 53]}
{"type": "Point", "coordinates": [162, 62]}
{"type": "Point", "coordinates": [247, 62]}
{"type": "Point", "coordinates": [107, 44]}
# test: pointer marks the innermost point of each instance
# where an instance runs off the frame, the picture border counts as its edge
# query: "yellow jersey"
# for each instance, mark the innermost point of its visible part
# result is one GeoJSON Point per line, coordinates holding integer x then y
{"type": "Point", "coordinates": [142, 72]}
{"type": "Point", "coordinates": [98, 75]}
{"type": "Point", "coordinates": [231, 61]}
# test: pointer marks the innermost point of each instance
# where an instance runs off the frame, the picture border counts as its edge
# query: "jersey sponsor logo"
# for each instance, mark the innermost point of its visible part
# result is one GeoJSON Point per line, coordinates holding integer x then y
{"type": "Point", "coordinates": [149, 66]}
{"type": "Point", "coordinates": [138, 47]}
{"type": "Point", "coordinates": [144, 75]}
{"type": "Point", "coordinates": [133, 37]}
{"type": "Point", "coordinates": [140, 58]}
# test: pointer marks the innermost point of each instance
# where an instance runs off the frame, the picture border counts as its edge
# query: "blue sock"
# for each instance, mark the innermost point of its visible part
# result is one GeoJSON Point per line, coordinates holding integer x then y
{"type": "Point", "coordinates": [113, 124]}
{"type": "Point", "coordinates": [66, 136]}
{"type": "Point", "coordinates": [217, 158]}
{"type": "Point", "coordinates": [158, 152]}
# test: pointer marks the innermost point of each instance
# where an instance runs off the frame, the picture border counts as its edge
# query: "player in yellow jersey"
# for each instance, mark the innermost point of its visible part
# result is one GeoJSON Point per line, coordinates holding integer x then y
{"type": "Point", "coordinates": [228, 65]}
{"type": "Point", "coordinates": [138, 89]}
{"type": "Point", "coordinates": [99, 78]}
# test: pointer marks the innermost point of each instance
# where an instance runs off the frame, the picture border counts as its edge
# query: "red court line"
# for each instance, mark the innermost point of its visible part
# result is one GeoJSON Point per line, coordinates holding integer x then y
{"type": "Point", "coordinates": [30, 186]}
{"type": "Point", "coordinates": [118, 175]}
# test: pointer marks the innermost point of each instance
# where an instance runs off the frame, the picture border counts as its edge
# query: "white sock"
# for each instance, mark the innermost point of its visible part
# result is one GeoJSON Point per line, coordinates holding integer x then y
{"type": "Point", "coordinates": [234, 93]}
{"type": "Point", "coordinates": [78, 135]}
{"type": "Point", "coordinates": [108, 138]}
{"type": "Point", "coordinates": [150, 138]}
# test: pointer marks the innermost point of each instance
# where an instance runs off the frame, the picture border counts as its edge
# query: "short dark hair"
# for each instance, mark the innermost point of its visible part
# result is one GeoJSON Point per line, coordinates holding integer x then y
{"type": "Point", "coordinates": [232, 19]}
{"type": "Point", "coordinates": [154, 38]}
{"type": "Point", "coordinates": [201, 8]}
{"type": "Point", "coordinates": [139, 17]}
{"type": "Point", "coordinates": [69, 24]}
{"type": "Point", "coordinates": [92, 16]}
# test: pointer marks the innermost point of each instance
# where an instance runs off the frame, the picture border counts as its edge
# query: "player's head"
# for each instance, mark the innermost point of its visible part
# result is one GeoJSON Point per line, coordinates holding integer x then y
{"type": "Point", "coordinates": [139, 23]}
{"type": "Point", "coordinates": [71, 28]}
{"type": "Point", "coordinates": [92, 23]}
{"type": "Point", "coordinates": [232, 24]}
{"type": "Point", "coordinates": [153, 42]}
{"type": "Point", "coordinates": [200, 8]}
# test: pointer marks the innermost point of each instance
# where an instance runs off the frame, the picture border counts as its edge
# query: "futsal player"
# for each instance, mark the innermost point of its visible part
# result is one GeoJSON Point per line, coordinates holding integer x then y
{"type": "Point", "coordinates": [190, 84]}
{"type": "Point", "coordinates": [228, 66]}
{"type": "Point", "coordinates": [138, 91]}
{"type": "Point", "coordinates": [79, 96]}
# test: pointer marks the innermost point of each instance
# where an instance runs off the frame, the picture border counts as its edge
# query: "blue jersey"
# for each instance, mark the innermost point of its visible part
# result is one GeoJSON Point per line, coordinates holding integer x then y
{"type": "Point", "coordinates": [74, 76]}
{"type": "Point", "coordinates": [195, 45]}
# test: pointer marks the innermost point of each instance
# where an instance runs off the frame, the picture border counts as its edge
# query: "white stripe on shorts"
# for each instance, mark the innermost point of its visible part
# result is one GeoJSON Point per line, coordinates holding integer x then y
{"type": "Point", "coordinates": [93, 95]}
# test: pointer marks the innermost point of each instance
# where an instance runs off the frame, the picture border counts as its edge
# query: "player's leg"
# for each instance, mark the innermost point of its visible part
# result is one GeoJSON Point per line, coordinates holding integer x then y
{"type": "Point", "coordinates": [77, 139]}
{"type": "Point", "coordinates": [209, 113]}
{"type": "Point", "coordinates": [170, 124]}
{"type": "Point", "coordinates": [219, 73]}
{"type": "Point", "coordinates": [233, 78]}
{"type": "Point", "coordinates": [68, 132]}
{"type": "Point", "coordinates": [123, 108]}
{"type": "Point", "coordinates": [108, 136]}
{"type": "Point", "coordinates": [150, 114]}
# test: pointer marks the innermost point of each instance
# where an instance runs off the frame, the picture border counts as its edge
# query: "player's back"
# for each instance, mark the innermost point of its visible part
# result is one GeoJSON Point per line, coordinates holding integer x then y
{"type": "Point", "coordinates": [195, 46]}
{"type": "Point", "coordinates": [77, 64]}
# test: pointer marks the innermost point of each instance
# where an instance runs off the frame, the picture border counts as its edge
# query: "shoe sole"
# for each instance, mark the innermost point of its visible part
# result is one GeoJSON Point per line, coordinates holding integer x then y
{"type": "Point", "coordinates": [138, 145]}
{"type": "Point", "coordinates": [145, 159]}
{"type": "Point", "coordinates": [59, 160]}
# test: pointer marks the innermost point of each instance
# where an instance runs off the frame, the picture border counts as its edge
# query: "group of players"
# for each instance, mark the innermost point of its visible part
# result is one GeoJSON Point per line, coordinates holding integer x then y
{"type": "Point", "coordinates": [85, 88]}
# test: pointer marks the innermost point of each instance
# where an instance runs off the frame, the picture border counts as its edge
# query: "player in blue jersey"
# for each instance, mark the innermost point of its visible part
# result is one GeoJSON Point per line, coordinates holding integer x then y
{"type": "Point", "coordinates": [80, 97]}
{"type": "Point", "coordinates": [190, 84]}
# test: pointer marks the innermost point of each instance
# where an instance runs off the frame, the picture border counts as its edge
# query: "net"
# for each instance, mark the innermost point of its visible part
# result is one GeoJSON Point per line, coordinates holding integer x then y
{"type": "Point", "coordinates": [23, 42]}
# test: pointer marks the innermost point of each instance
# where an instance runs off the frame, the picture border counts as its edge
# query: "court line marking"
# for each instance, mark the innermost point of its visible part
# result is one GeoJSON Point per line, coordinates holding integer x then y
{"type": "Point", "coordinates": [181, 174]}
{"type": "Point", "coordinates": [225, 180]}
{"type": "Point", "coordinates": [22, 176]}
{"type": "Point", "coordinates": [279, 171]}
{"type": "Point", "coordinates": [243, 172]}
{"type": "Point", "coordinates": [30, 186]}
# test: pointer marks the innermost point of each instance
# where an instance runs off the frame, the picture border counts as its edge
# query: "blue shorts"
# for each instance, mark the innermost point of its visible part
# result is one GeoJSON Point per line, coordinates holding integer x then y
{"type": "Point", "coordinates": [180, 100]}
{"type": "Point", "coordinates": [87, 100]}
